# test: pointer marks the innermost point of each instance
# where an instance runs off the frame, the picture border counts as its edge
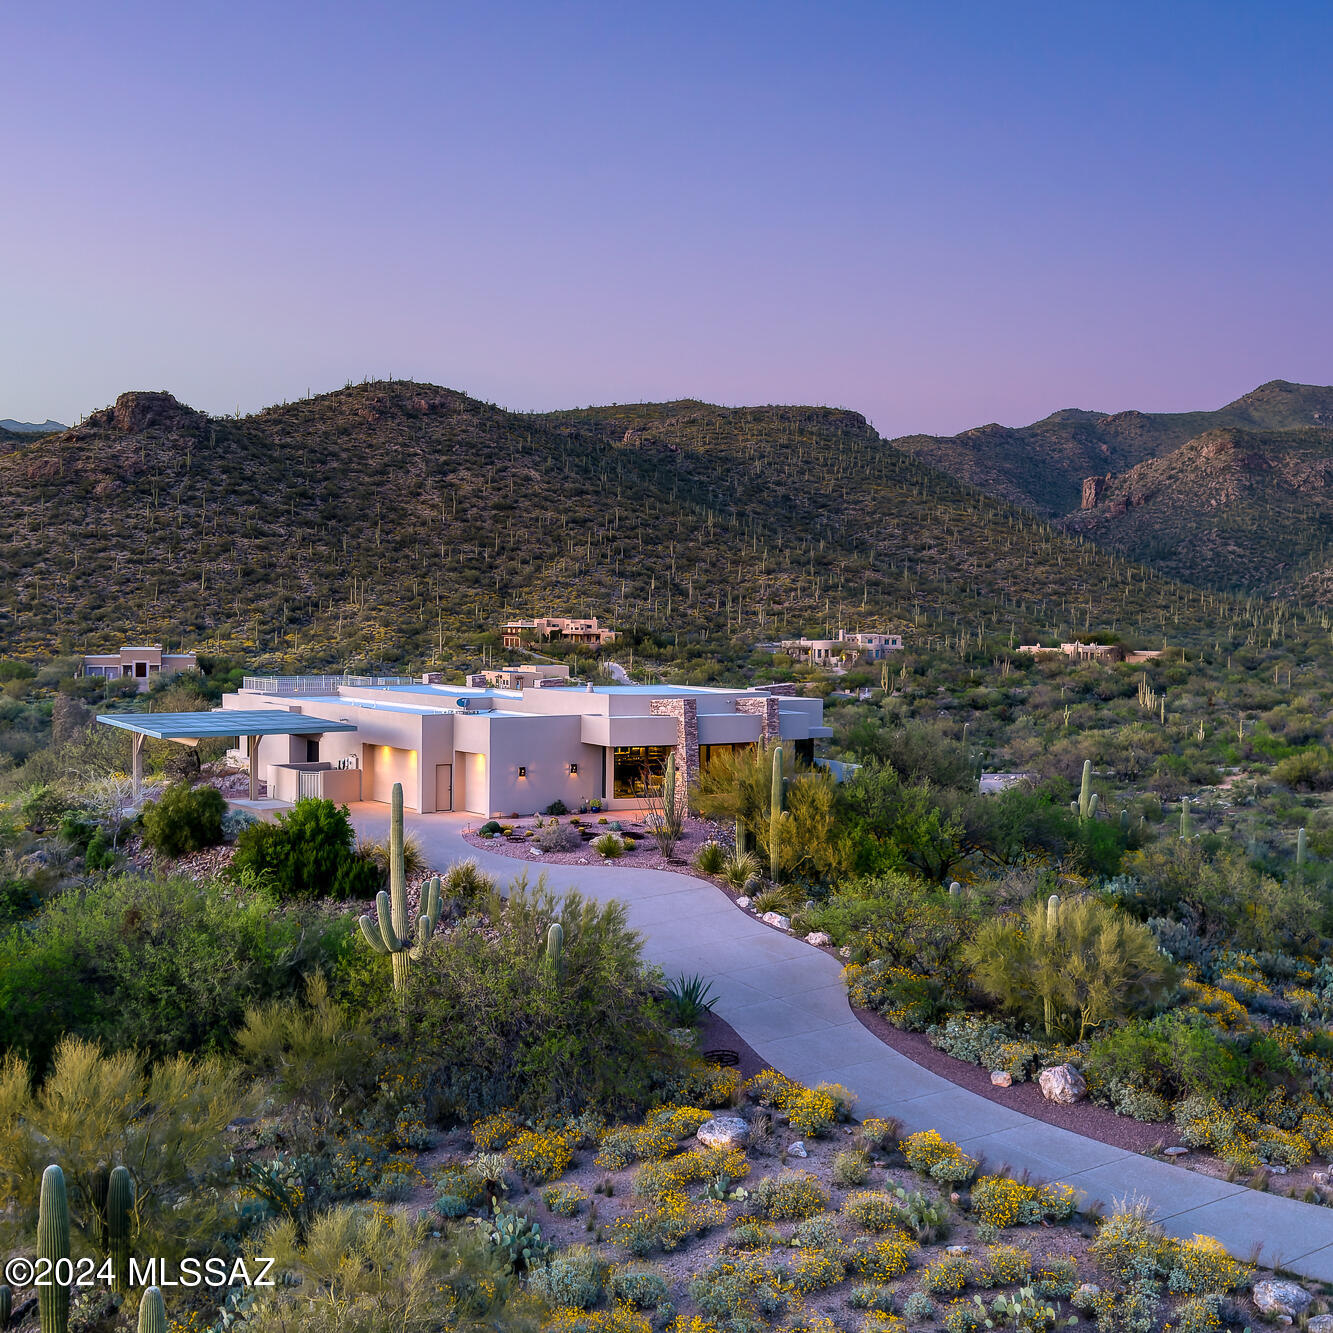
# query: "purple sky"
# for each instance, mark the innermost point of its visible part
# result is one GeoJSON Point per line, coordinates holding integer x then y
{"type": "Point", "coordinates": [937, 214]}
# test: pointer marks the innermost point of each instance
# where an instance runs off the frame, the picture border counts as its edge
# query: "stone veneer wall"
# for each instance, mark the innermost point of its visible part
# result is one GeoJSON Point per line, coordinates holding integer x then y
{"type": "Point", "coordinates": [686, 713]}
{"type": "Point", "coordinates": [767, 709]}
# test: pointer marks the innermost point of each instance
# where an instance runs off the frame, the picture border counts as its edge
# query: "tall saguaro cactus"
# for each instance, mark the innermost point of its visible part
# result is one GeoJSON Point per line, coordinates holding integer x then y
{"type": "Point", "coordinates": [387, 931]}
{"type": "Point", "coordinates": [53, 1245]}
{"type": "Point", "coordinates": [1184, 818]}
{"type": "Point", "coordinates": [119, 1207]}
{"type": "Point", "coordinates": [555, 948]}
{"type": "Point", "coordinates": [1086, 805]}
{"type": "Point", "coordinates": [775, 818]}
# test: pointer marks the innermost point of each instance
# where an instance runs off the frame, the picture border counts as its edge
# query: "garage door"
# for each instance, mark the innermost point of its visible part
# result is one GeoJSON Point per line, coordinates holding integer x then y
{"type": "Point", "coordinates": [387, 766]}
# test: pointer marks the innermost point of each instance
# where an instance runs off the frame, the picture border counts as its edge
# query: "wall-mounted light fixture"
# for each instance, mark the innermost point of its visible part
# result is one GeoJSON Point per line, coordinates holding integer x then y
{"type": "Point", "coordinates": [573, 769]}
{"type": "Point", "coordinates": [522, 772]}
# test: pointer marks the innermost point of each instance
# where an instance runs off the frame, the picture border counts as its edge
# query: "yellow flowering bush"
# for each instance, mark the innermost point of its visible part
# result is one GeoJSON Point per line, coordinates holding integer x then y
{"type": "Point", "coordinates": [540, 1155]}
{"type": "Point", "coordinates": [872, 1210]}
{"type": "Point", "coordinates": [690, 1168]}
{"type": "Point", "coordinates": [813, 1270]}
{"type": "Point", "coordinates": [664, 1222]}
{"type": "Point", "coordinates": [495, 1131]}
{"type": "Point", "coordinates": [963, 1317]}
{"type": "Point", "coordinates": [1316, 1128]}
{"type": "Point", "coordinates": [693, 1324]}
{"type": "Point", "coordinates": [931, 1155]}
{"type": "Point", "coordinates": [999, 1201]}
{"type": "Point", "coordinates": [1006, 1266]}
{"type": "Point", "coordinates": [876, 1321]}
{"type": "Point", "coordinates": [789, 1196]}
{"type": "Point", "coordinates": [882, 1259]}
{"type": "Point", "coordinates": [564, 1200]}
{"type": "Point", "coordinates": [1199, 1314]}
{"type": "Point", "coordinates": [701, 1083]}
{"type": "Point", "coordinates": [811, 1111]}
{"type": "Point", "coordinates": [635, 1143]}
{"type": "Point", "coordinates": [1129, 1244]}
{"type": "Point", "coordinates": [948, 1275]}
{"type": "Point", "coordinates": [1201, 1266]}
{"type": "Point", "coordinates": [878, 1132]}
{"type": "Point", "coordinates": [769, 1088]}
{"type": "Point", "coordinates": [622, 1319]}
{"type": "Point", "coordinates": [682, 1121]}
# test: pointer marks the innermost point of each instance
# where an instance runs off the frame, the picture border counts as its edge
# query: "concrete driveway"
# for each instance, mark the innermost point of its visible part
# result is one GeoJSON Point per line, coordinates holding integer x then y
{"type": "Point", "coordinates": [787, 1000]}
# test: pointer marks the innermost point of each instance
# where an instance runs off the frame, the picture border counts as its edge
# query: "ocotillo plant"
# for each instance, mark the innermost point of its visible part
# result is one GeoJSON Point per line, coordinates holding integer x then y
{"type": "Point", "coordinates": [53, 1244]}
{"type": "Point", "coordinates": [775, 818]}
{"type": "Point", "coordinates": [152, 1312]}
{"type": "Point", "coordinates": [119, 1207]}
{"type": "Point", "coordinates": [387, 932]}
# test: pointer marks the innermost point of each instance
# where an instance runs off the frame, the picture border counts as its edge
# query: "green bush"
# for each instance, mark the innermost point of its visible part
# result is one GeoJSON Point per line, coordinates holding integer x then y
{"type": "Point", "coordinates": [494, 1025]}
{"type": "Point", "coordinates": [573, 1279]}
{"type": "Point", "coordinates": [788, 1197]}
{"type": "Point", "coordinates": [162, 966]}
{"type": "Point", "coordinates": [637, 1285]}
{"type": "Point", "coordinates": [710, 858]}
{"type": "Point", "coordinates": [305, 853]}
{"type": "Point", "coordinates": [184, 820]}
{"type": "Point", "coordinates": [556, 837]}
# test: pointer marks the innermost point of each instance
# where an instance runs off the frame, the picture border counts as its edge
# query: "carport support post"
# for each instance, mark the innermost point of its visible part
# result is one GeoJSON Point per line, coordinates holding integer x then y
{"type": "Point", "coordinates": [136, 767]}
{"type": "Point", "coordinates": [253, 747]}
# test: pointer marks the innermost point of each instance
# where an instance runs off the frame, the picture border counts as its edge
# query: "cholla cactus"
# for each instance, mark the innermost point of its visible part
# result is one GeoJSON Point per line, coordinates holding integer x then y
{"type": "Point", "coordinates": [387, 931]}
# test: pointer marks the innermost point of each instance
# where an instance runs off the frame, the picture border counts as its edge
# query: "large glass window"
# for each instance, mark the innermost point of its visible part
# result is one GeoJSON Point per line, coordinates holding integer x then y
{"type": "Point", "coordinates": [638, 769]}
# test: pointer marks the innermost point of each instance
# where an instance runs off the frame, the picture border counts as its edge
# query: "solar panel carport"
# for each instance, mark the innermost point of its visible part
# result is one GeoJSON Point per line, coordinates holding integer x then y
{"type": "Point", "coordinates": [191, 728]}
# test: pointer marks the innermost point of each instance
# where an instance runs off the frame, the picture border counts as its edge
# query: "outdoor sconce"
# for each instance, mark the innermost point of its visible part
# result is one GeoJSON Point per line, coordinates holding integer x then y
{"type": "Point", "coordinates": [522, 772]}
{"type": "Point", "coordinates": [573, 769]}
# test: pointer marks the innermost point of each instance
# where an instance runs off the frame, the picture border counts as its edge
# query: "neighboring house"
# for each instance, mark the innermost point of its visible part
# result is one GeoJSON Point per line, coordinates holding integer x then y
{"type": "Point", "coordinates": [501, 752]}
{"type": "Point", "coordinates": [997, 782]}
{"type": "Point", "coordinates": [1084, 652]}
{"type": "Point", "coordinates": [588, 631]}
{"type": "Point", "coordinates": [143, 664]}
{"type": "Point", "coordinates": [541, 675]}
{"type": "Point", "coordinates": [823, 652]}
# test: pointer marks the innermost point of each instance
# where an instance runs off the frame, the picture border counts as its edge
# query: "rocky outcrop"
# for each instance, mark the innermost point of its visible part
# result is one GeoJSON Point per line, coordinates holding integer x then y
{"type": "Point", "coordinates": [1093, 488]}
{"type": "Point", "coordinates": [142, 410]}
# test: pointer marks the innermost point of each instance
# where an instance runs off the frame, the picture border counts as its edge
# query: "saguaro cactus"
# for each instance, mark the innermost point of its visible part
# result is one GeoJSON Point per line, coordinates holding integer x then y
{"type": "Point", "coordinates": [53, 1245]}
{"type": "Point", "coordinates": [669, 786]}
{"type": "Point", "coordinates": [1184, 817]}
{"type": "Point", "coordinates": [1053, 911]}
{"type": "Point", "coordinates": [1300, 848]}
{"type": "Point", "coordinates": [387, 931]}
{"type": "Point", "coordinates": [152, 1312]}
{"type": "Point", "coordinates": [6, 1305]}
{"type": "Point", "coordinates": [775, 817]}
{"type": "Point", "coordinates": [1086, 805]}
{"type": "Point", "coordinates": [119, 1207]}
{"type": "Point", "coordinates": [555, 948]}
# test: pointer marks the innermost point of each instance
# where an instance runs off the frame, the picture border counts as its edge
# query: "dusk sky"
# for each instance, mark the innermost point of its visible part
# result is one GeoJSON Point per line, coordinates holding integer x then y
{"type": "Point", "coordinates": [939, 214]}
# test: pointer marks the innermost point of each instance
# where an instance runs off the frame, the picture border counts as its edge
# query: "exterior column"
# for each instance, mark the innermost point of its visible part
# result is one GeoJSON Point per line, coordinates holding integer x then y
{"type": "Point", "coordinates": [686, 713]}
{"type": "Point", "coordinates": [136, 768]}
{"type": "Point", "coordinates": [766, 708]}
{"type": "Point", "coordinates": [253, 742]}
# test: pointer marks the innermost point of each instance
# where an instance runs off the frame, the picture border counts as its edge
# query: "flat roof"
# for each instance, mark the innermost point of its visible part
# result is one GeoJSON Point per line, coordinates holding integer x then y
{"type": "Point", "coordinates": [222, 722]}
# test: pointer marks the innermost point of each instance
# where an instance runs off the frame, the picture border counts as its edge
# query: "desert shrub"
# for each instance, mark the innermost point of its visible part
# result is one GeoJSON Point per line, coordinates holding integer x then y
{"type": "Point", "coordinates": [540, 1154]}
{"type": "Point", "coordinates": [467, 882]}
{"type": "Point", "coordinates": [918, 1308]}
{"type": "Point", "coordinates": [490, 828]}
{"type": "Point", "coordinates": [1199, 1314]}
{"type": "Point", "coordinates": [665, 1222]}
{"type": "Point", "coordinates": [689, 999]}
{"type": "Point", "coordinates": [1005, 1266]}
{"type": "Point", "coordinates": [818, 1232]}
{"type": "Point", "coordinates": [1201, 1266]}
{"type": "Point", "coordinates": [1129, 1245]}
{"type": "Point", "coordinates": [873, 1210]}
{"type": "Point", "coordinates": [881, 1258]}
{"type": "Point", "coordinates": [1308, 770]}
{"type": "Point", "coordinates": [965, 1317]}
{"type": "Point", "coordinates": [933, 1156]}
{"type": "Point", "coordinates": [160, 965]}
{"type": "Point", "coordinates": [788, 1197]}
{"type": "Point", "coordinates": [851, 1167]}
{"type": "Point", "coordinates": [948, 1275]}
{"type": "Point", "coordinates": [742, 871]}
{"type": "Point", "coordinates": [1057, 1278]}
{"type": "Point", "coordinates": [811, 1111]}
{"type": "Point", "coordinates": [635, 1143]}
{"type": "Point", "coordinates": [557, 807]}
{"type": "Point", "coordinates": [564, 1200]}
{"type": "Point", "coordinates": [608, 846]}
{"type": "Point", "coordinates": [710, 858]}
{"type": "Point", "coordinates": [165, 1124]}
{"type": "Point", "coordinates": [749, 1235]}
{"type": "Point", "coordinates": [638, 1285]}
{"type": "Point", "coordinates": [998, 1201]}
{"type": "Point", "coordinates": [573, 1278]}
{"type": "Point", "coordinates": [877, 1132]}
{"type": "Point", "coordinates": [813, 1269]}
{"type": "Point", "coordinates": [556, 837]}
{"type": "Point", "coordinates": [184, 819]}
{"type": "Point", "coordinates": [871, 1296]}
{"type": "Point", "coordinates": [1072, 969]}
{"type": "Point", "coordinates": [304, 853]}
{"type": "Point", "coordinates": [493, 1026]}
{"type": "Point", "coordinates": [744, 1296]}
{"type": "Point", "coordinates": [681, 1121]}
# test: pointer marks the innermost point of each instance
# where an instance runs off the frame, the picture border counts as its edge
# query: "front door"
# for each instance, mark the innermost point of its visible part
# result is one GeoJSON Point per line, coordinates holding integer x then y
{"type": "Point", "coordinates": [444, 786]}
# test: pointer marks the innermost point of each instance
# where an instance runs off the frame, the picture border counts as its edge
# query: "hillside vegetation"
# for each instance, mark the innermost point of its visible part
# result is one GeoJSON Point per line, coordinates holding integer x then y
{"type": "Point", "coordinates": [386, 521]}
{"type": "Point", "coordinates": [1042, 467]}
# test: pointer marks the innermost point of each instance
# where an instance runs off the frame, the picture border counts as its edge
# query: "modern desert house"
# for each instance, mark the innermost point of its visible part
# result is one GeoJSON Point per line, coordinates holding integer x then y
{"type": "Point", "coordinates": [143, 664]}
{"type": "Point", "coordinates": [587, 631]}
{"type": "Point", "coordinates": [495, 751]}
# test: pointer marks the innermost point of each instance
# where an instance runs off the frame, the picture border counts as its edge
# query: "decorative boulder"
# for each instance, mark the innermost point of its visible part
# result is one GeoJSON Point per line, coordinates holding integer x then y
{"type": "Point", "coordinates": [777, 919]}
{"type": "Point", "coordinates": [723, 1131]}
{"type": "Point", "coordinates": [1281, 1298]}
{"type": "Point", "coordinates": [1062, 1083]}
{"type": "Point", "coordinates": [1321, 1323]}
{"type": "Point", "coordinates": [817, 937]}
{"type": "Point", "coordinates": [1001, 1078]}
{"type": "Point", "coordinates": [743, 900]}
{"type": "Point", "coordinates": [797, 1149]}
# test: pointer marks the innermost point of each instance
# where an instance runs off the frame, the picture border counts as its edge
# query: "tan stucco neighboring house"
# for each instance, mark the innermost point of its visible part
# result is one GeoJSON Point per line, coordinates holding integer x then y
{"type": "Point", "coordinates": [574, 630]}
{"type": "Point", "coordinates": [142, 664]}
{"type": "Point", "coordinates": [495, 751]}
{"type": "Point", "coordinates": [822, 652]}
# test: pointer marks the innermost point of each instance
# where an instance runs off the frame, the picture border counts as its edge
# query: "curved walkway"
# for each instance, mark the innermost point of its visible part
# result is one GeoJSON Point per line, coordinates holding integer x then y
{"type": "Point", "coordinates": [788, 1002]}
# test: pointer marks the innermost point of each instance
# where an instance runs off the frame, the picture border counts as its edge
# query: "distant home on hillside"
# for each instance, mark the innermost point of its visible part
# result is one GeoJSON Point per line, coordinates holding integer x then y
{"type": "Point", "coordinates": [143, 664]}
{"type": "Point", "coordinates": [822, 652]}
{"type": "Point", "coordinates": [513, 634]}
{"type": "Point", "coordinates": [527, 676]}
{"type": "Point", "coordinates": [1093, 652]}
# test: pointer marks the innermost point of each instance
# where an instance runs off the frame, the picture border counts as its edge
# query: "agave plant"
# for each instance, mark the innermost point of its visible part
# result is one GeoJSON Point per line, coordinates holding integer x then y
{"type": "Point", "coordinates": [689, 999]}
